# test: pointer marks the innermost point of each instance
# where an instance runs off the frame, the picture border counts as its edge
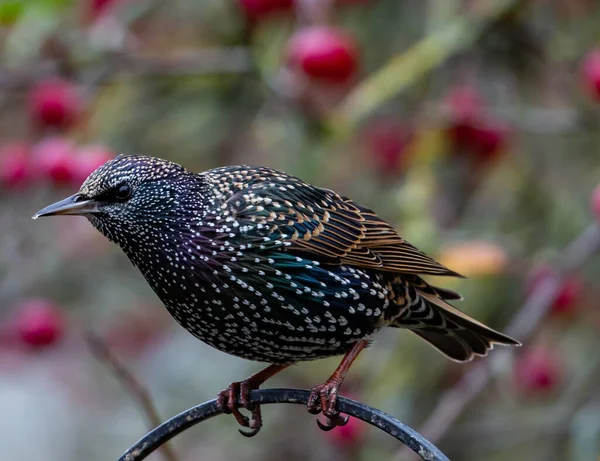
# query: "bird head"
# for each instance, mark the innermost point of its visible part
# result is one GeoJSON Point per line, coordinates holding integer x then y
{"type": "Point", "coordinates": [129, 195]}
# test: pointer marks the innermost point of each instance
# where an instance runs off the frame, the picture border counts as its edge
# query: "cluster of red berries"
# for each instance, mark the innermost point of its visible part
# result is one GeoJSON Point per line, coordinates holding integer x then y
{"type": "Point", "coordinates": [471, 132]}
{"type": "Point", "coordinates": [540, 370]}
{"type": "Point", "coordinates": [327, 54]}
{"type": "Point", "coordinates": [55, 160]}
{"type": "Point", "coordinates": [54, 106]}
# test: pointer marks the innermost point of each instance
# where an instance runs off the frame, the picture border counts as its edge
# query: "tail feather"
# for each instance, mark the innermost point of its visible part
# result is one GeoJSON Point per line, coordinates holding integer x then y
{"type": "Point", "coordinates": [452, 332]}
{"type": "Point", "coordinates": [452, 347]}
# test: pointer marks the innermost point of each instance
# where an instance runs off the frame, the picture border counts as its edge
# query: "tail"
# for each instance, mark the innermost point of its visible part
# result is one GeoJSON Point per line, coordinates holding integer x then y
{"type": "Point", "coordinates": [452, 332]}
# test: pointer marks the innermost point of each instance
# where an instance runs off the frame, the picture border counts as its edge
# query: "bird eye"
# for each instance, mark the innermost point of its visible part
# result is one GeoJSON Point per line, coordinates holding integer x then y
{"type": "Point", "coordinates": [123, 192]}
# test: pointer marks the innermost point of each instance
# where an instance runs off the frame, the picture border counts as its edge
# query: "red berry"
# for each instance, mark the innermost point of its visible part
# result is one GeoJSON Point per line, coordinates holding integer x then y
{"type": "Point", "coordinates": [88, 159]}
{"type": "Point", "coordinates": [39, 322]}
{"type": "Point", "coordinates": [591, 72]}
{"type": "Point", "coordinates": [55, 103]}
{"type": "Point", "coordinates": [596, 202]}
{"type": "Point", "coordinates": [470, 132]}
{"type": "Point", "coordinates": [386, 143]}
{"type": "Point", "coordinates": [53, 159]}
{"type": "Point", "coordinates": [14, 164]}
{"type": "Point", "coordinates": [325, 53]}
{"type": "Point", "coordinates": [538, 371]}
{"type": "Point", "coordinates": [259, 9]}
{"type": "Point", "coordinates": [569, 293]}
{"type": "Point", "coordinates": [569, 296]}
{"type": "Point", "coordinates": [490, 139]}
{"type": "Point", "coordinates": [483, 139]}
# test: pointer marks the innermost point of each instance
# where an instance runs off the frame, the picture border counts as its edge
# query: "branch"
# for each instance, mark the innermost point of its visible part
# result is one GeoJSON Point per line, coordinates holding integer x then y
{"type": "Point", "coordinates": [139, 393]}
{"type": "Point", "coordinates": [232, 60]}
{"type": "Point", "coordinates": [413, 440]}
{"type": "Point", "coordinates": [202, 61]}
{"type": "Point", "coordinates": [523, 325]}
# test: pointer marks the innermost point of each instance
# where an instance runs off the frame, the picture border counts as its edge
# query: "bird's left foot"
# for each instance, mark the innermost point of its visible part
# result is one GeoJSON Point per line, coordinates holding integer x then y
{"type": "Point", "coordinates": [236, 396]}
{"type": "Point", "coordinates": [323, 398]}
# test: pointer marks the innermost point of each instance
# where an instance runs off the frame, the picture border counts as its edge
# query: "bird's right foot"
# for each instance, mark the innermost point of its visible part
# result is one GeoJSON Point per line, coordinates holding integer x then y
{"type": "Point", "coordinates": [236, 396]}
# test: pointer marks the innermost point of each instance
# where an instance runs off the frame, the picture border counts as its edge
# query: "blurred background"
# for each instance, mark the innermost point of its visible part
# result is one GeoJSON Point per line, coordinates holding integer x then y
{"type": "Point", "coordinates": [470, 125]}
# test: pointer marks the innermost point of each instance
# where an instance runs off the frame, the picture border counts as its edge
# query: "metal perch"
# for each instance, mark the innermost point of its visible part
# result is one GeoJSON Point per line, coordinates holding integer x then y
{"type": "Point", "coordinates": [169, 429]}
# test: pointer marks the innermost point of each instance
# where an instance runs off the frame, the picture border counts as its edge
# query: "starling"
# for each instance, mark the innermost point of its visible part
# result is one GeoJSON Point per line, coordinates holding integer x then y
{"type": "Point", "coordinates": [264, 266]}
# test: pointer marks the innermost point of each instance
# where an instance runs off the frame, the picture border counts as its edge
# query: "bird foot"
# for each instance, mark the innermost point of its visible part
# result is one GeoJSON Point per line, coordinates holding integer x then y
{"type": "Point", "coordinates": [236, 396]}
{"type": "Point", "coordinates": [323, 398]}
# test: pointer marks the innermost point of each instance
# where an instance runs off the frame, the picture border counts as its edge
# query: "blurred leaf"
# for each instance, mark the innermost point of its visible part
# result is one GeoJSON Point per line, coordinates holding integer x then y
{"type": "Point", "coordinates": [10, 11]}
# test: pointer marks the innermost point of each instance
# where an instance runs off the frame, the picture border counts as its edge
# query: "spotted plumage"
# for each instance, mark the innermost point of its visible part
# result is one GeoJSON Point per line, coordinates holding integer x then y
{"type": "Point", "coordinates": [265, 266]}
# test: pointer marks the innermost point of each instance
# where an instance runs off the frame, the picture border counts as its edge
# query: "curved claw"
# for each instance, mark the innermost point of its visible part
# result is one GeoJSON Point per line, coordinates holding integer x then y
{"type": "Point", "coordinates": [341, 420]}
{"type": "Point", "coordinates": [250, 433]}
{"type": "Point", "coordinates": [325, 427]}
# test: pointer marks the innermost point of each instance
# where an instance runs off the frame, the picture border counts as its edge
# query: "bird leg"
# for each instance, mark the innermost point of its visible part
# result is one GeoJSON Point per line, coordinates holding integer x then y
{"type": "Point", "coordinates": [237, 395]}
{"type": "Point", "coordinates": [323, 398]}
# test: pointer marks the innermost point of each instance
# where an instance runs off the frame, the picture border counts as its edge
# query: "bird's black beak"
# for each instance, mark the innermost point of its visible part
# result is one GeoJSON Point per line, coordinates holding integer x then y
{"type": "Point", "coordinates": [73, 205]}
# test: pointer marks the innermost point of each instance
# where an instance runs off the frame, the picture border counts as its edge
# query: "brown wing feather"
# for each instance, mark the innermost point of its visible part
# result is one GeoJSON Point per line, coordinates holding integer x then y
{"type": "Point", "coordinates": [322, 224]}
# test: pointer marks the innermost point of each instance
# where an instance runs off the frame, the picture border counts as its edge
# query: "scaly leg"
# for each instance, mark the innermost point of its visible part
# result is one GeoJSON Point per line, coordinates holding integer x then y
{"type": "Point", "coordinates": [323, 398]}
{"type": "Point", "coordinates": [237, 393]}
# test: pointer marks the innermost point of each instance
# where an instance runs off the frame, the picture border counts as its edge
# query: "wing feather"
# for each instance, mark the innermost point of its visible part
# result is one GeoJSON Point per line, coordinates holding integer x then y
{"type": "Point", "coordinates": [321, 224]}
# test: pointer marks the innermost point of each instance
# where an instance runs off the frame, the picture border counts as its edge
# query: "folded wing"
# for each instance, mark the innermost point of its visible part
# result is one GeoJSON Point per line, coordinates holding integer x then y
{"type": "Point", "coordinates": [322, 225]}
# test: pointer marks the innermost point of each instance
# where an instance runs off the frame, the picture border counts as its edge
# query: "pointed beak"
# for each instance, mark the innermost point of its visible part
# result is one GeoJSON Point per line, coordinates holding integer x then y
{"type": "Point", "coordinates": [73, 205]}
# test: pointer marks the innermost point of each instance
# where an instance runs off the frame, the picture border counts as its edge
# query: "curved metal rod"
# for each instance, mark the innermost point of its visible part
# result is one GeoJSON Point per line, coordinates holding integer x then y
{"type": "Point", "coordinates": [169, 429]}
